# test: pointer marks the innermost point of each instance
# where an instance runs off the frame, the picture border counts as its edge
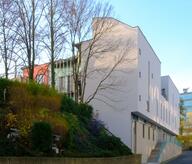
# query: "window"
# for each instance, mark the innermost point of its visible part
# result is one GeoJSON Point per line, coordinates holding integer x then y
{"type": "Point", "coordinates": [157, 111]}
{"type": "Point", "coordinates": [163, 92]}
{"type": "Point", "coordinates": [149, 133]}
{"type": "Point", "coordinates": [139, 74]}
{"type": "Point", "coordinates": [40, 78]}
{"type": "Point", "coordinates": [161, 112]}
{"type": "Point", "coordinates": [139, 97]}
{"type": "Point", "coordinates": [153, 134]}
{"type": "Point", "coordinates": [139, 51]}
{"type": "Point", "coordinates": [148, 106]}
{"type": "Point", "coordinates": [61, 84]}
{"type": "Point", "coordinates": [152, 75]}
{"type": "Point", "coordinates": [68, 84]}
{"type": "Point", "coordinates": [143, 130]}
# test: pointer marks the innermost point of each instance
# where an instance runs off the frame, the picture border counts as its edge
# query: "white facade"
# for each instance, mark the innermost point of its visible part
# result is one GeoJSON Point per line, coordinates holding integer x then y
{"type": "Point", "coordinates": [170, 113]}
{"type": "Point", "coordinates": [130, 102]}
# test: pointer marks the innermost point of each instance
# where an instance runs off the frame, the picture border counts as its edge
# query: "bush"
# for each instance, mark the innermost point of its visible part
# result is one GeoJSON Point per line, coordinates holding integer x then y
{"type": "Point", "coordinates": [7, 148]}
{"type": "Point", "coordinates": [82, 111]}
{"type": "Point", "coordinates": [95, 127]}
{"type": "Point", "coordinates": [40, 89]}
{"type": "Point", "coordinates": [74, 127]}
{"type": "Point", "coordinates": [68, 105]}
{"type": "Point", "coordinates": [112, 145]}
{"type": "Point", "coordinates": [81, 134]}
{"type": "Point", "coordinates": [33, 99]}
{"type": "Point", "coordinates": [41, 137]}
{"type": "Point", "coordinates": [57, 120]}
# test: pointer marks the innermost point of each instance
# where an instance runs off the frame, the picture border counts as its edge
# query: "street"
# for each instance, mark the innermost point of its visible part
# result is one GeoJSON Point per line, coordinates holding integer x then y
{"type": "Point", "coordinates": [184, 158]}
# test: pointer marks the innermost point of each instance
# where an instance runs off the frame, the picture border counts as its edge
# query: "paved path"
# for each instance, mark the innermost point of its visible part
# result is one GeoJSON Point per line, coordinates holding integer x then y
{"type": "Point", "coordinates": [184, 158]}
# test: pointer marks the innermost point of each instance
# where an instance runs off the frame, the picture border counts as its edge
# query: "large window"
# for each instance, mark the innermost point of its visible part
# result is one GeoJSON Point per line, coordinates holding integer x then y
{"type": "Point", "coordinates": [66, 84]}
{"type": "Point", "coordinates": [61, 84]}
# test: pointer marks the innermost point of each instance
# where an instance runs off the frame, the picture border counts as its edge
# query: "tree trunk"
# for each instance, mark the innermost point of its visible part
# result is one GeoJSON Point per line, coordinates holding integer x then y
{"type": "Point", "coordinates": [5, 51]}
{"type": "Point", "coordinates": [52, 48]}
{"type": "Point", "coordinates": [33, 38]}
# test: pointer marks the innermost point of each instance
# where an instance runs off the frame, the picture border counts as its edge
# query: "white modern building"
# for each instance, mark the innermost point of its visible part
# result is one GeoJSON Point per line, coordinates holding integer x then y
{"type": "Point", "coordinates": [135, 102]}
{"type": "Point", "coordinates": [127, 91]}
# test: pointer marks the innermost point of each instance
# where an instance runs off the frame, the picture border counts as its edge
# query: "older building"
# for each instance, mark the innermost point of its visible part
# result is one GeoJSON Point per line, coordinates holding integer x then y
{"type": "Point", "coordinates": [63, 76]}
{"type": "Point", "coordinates": [40, 75]}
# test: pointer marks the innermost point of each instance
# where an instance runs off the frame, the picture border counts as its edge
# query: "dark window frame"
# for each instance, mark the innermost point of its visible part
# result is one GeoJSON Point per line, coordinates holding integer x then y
{"type": "Point", "coordinates": [143, 130]}
{"type": "Point", "coordinates": [149, 131]}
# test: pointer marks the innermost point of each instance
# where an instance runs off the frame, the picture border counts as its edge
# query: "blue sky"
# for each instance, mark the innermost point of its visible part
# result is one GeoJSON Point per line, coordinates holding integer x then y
{"type": "Point", "coordinates": [167, 24]}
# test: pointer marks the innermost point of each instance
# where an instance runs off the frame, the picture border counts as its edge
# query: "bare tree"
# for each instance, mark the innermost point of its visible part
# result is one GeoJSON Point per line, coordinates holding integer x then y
{"type": "Point", "coordinates": [87, 25]}
{"type": "Point", "coordinates": [27, 30]}
{"type": "Point", "coordinates": [78, 14]}
{"type": "Point", "coordinates": [7, 37]}
{"type": "Point", "coordinates": [95, 49]}
{"type": "Point", "coordinates": [54, 33]}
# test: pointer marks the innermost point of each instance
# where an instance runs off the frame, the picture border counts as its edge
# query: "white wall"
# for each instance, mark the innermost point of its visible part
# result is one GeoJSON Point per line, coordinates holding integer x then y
{"type": "Point", "coordinates": [172, 104]}
{"type": "Point", "coordinates": [149, 88]}
{"type": "Point", "coordinates": [114, 104]}
{"type": "Point", "coordinates": [149, 84]}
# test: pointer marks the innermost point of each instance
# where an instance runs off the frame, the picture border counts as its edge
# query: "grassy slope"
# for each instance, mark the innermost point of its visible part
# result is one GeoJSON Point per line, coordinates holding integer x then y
{"type": "Point", "coordinates": [81, 135]}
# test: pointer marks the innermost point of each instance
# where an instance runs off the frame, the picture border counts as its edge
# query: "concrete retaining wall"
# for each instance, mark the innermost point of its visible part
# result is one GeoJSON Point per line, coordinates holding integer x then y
{"type": "Point", "coordinates": [132, 159]}
{"type": "Point", "coordinates": [171, 151]}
